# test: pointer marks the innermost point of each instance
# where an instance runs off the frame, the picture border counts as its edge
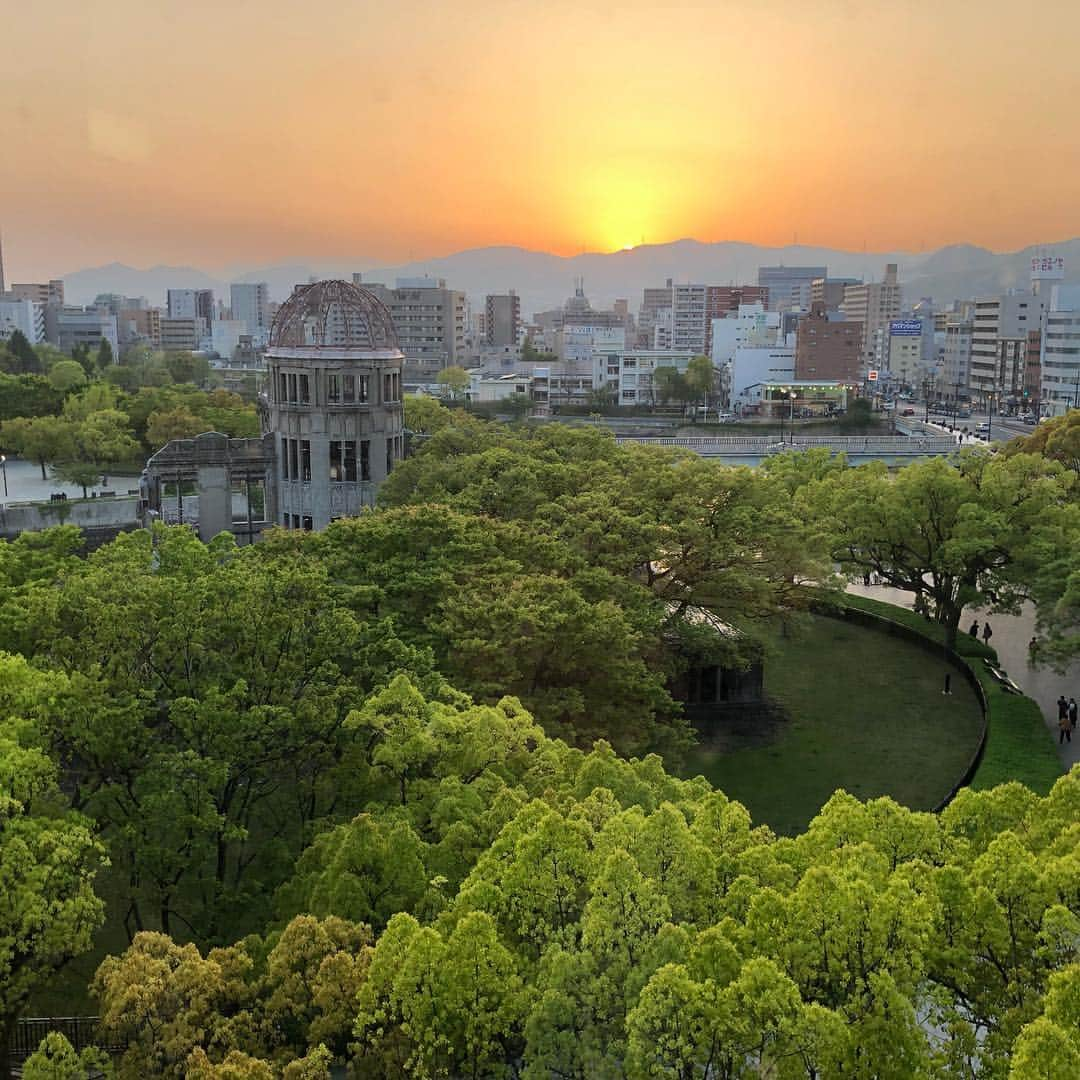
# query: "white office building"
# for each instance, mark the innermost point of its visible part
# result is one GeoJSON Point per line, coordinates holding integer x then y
{"type": "Point", "coordinates": [67, 327]}
{"type": "Point", "coordinates": [250, 303]}
{"type": "Point", "coordinates": [957, 363]}
{"type": "Point", "coordinates": [1060, 355]}
{"type": "Point", "coordinates": [751, 326]}
{"type": "Point", "coordinates": [578, 343]}
{"type": "Point", "coordinates": [225, 336]}
{"type": "Point", "coordinates": [25, 316]}
{"type": "Point", "coordinates": [753, 365]}
{"type": "Point", "coordinates": [790, 286]}
{"type": "Point", "coordinates": [999, 331]}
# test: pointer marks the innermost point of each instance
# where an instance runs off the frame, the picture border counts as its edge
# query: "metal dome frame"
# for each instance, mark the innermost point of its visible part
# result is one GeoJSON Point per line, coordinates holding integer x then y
{"type": "Point", "coordinates": [362, 320]}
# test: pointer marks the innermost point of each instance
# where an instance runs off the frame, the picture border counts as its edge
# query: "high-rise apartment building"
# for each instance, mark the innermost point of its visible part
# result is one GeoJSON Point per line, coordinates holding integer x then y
{"type": "Point", "coordinates": [1032, 390]}
{"type": "Point", "coordinates": [192, 304]}
{"type": "Point", "coordinates": [827, 347]}
{"type": "Point", "coordinates": [957, 368]}
{"type": "Point", "coordinates": [653, 301]}
{"type": "Point", "coordinates": [430, 322]}
{"type": "Point", "coordinates": [22, 315]}
{"type": "Point", "coordinates": [830, 290]}
{"type": "Point", "coordinates": [874, 304]}
{"type": "Point", "coordinates": [1059, 361]}
{"type": "Point", "coordinates": [693, 308]}
{"type": "Point", "coordinates": [180, 334]}
{"type": "Point", "coordinates": [51, 292]}
{"type": "Point", "coordinates": [139, 324]}
{"type": "Point", "coordinates": [250, 303]}
{"type": "Point", "coordinates": [789, 286]}
{"type": "Point", "coordinates": [502, 318]}
{"type": "Point", "coordinates": [904, 360]}
{"type": "Point", "coordinates": [999, 340]}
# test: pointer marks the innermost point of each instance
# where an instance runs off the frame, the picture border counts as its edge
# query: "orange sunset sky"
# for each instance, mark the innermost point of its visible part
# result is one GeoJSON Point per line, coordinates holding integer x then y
{"type": "Point", "coordinates": [232, 133]}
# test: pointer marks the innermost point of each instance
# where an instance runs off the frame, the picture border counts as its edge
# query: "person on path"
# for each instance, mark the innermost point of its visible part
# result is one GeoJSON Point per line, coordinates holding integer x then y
{"type": "Point", "coordinates": [974, 631]}
{"type": "Point", "coordinates": [1072, 714]}
{"type": "Point", "coordinates": [987, 633]}
{"type": "Point", "coordinates": [1063, 720]}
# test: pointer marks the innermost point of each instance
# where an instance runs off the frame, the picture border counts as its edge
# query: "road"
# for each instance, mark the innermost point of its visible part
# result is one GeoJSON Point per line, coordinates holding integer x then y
{"type": "Point", "coordinates": [1002, 428]}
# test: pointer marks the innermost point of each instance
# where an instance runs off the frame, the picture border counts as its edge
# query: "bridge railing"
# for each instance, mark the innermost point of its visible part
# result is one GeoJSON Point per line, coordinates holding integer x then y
{"type": "Point", "coordinates": [764, 445]}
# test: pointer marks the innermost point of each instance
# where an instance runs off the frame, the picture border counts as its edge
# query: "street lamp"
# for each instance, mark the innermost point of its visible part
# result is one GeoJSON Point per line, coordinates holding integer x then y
{"type": "Point", "coordinates": [3, 469]}
{"type": "Point", "coordinates": [792, 392]}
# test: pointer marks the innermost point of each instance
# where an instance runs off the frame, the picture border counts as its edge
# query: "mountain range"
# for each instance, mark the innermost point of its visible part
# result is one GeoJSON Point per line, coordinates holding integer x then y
{"type": "Point", "coordinates": [544, 280]}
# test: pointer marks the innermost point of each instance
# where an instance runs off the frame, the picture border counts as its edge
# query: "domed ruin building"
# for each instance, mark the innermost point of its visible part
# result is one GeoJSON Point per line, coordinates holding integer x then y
{"type": "Point", "coordinates": [332, 426]}
{"type": "Point", "coordinates": [332, 401]}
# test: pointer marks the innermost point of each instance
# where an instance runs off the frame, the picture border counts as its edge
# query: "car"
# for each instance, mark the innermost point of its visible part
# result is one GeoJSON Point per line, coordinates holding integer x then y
{"type": "Point", "coordinates": [982, 429]}
{"type": "Point", "coordinates": [907, 412]}
{"type": "Point", "coordinates": [963, 414]}
{"type": "Point", "coordinates": [1026, 418]}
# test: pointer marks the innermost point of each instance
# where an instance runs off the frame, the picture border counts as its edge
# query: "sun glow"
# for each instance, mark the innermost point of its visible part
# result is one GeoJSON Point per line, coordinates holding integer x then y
{"type": "Point", "coordinates": [621, 206]}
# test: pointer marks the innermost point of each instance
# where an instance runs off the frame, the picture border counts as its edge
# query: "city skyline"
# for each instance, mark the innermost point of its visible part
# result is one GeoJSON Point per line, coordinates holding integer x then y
{"type": "Point", "coordinates": [402, 136]}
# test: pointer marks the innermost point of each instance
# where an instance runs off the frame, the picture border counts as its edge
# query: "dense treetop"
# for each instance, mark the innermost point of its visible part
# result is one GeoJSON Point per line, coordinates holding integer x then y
{"type": "Point", "coordinates": [401, 795]}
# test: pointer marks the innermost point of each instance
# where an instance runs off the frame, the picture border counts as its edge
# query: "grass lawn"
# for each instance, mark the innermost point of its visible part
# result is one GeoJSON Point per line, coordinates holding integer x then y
{"type": "Point", "coordinates": [1017, 746]}
{"type": "Point", "coordinates": [855, 709]}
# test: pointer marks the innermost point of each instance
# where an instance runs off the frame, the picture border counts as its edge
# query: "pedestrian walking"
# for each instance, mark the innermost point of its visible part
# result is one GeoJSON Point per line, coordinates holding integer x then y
{"type": "Point", "coordinates": [987, 633]}
{"type": "Point", "coordinates": [1063, 720]}
{"type": "Point", "coordinates": [974, 631]}
{"type": "Point", "coordinates": [1072, 714]}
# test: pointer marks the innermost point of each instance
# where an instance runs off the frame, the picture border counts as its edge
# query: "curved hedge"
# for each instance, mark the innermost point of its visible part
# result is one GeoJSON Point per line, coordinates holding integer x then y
{"type": "Point", "coordinates": [1018, 745]}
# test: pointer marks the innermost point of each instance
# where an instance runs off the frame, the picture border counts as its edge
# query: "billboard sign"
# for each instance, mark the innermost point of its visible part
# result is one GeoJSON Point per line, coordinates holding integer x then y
{"type": "Point", "coordinates": [1048, 267]}
{"type": "Point", "coordinates": [871, 375]}
{"type": "Point", "coordinates": [905, 328]}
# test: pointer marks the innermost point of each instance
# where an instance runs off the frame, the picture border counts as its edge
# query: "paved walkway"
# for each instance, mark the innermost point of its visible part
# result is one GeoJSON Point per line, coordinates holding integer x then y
{"type": "Point", "coordinates": [1010, 638]}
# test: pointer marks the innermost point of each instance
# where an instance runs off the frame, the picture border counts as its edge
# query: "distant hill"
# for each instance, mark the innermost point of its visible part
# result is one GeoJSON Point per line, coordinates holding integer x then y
{"type": "Point", "coordinates": [544, 280]}
{"type": "Point", "coordinates": [82, 286]}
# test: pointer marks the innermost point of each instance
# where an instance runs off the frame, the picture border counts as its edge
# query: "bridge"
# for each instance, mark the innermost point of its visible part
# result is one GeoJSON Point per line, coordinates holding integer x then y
{"type": "Point", "coordinates": [752, 449]}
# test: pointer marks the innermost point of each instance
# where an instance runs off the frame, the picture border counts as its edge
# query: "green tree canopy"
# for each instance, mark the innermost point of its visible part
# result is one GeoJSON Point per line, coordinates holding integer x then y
{"type": "Point", "coordinates": [959, 535]}
{"type": "Point", "coordinates": [44, 439]}
{"type": "Point", "coordinates": [26, 361]}
{"type": "Point", "coordinates": [28, 396]}
{"type": "Point", "coordinates": [66, 375]}
{"type": "Point", "coordinates": [48, 857]}
{"type": "Point", "coordinates": [455, 379]}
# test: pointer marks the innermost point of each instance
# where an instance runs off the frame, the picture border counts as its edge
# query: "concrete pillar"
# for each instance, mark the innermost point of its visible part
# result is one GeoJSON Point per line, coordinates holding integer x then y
{"type": "Point", "coordinates": [215, 501]}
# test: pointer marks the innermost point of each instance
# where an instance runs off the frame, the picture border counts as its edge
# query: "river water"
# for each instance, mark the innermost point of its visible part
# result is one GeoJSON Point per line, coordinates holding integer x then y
{"type": "Point", "coordinates": [1011, 634]}
{"type": "Point", "coordinates": [24, 483]}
